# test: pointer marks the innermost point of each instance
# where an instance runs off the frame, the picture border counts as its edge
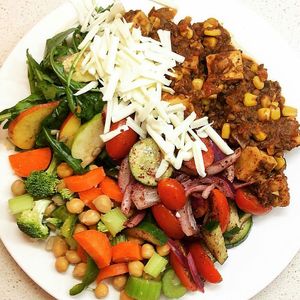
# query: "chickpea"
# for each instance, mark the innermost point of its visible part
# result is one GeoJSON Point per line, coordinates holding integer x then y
{"type": "Point", "coordinates": [101, 291]}
{"type": "Point", "coordinates": [103, 203]}
{"type": "Point", "coordinates": [163, 250]}
{"type": "Point", "coordinates": [79, 270]}
{"type": "Point", "coordinates": [79, 228]}
{"type": "Point", "coordinates": [119, 282]}
{"type": "Point", "coordinates": [147, 251]}
{"type": "Point", "coordinates": [61, 264]}
{"type": "Point", "coordinates": [124, 296]}
{"type": "Point", "coordinates": [64, 170]}
{"type": "Point", "coordinates": [18, 188]}
{"type": "Point", "coordinates": [90, 217]}
{"type": "Point", "coordinates": [58, 200]}
{"type": "Point", "coordinates": [75, 206]}
{"type": "Point", "coordinates": [136, 268]}
{"type": "Point", "coordinates": [59, 247]}
{"type": "Point", "coordinates": [73, 257]}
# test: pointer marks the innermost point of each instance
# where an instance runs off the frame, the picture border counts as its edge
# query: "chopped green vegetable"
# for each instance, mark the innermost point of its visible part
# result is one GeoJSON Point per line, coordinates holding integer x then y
{"type": "Point", "coordinates": [66, 194]}
{"type": "Point", "coordinates": [101, 227]}
{"type": "Point", "coordinates": [61, 213]}
{"type": "Point", "coordinates": [20, 203]}
{"type": "Point", "coordinates": [89, 277]}
{"type": "Point", "coordinates": [118, 239]}
{"type": "Point", "coordinates": [67, 228]}
{"type": "Point", "coordinates": [114, 220]}
{"type": "Point", "coordinates": [142, 289]}
{"type": "Point", "coordinates": [171, 285]}
{"type": "Point", "coordinates": [30, 221]}
{"type": "Point", "coordinates": [57, 223]}
{"type": "Point", "coordinates": [155, 265]}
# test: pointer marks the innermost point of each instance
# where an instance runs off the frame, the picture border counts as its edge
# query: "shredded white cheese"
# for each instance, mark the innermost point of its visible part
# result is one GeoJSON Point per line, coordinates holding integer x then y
{"type": "Point", "coordinates": [91, 85]}
{"type": "Point", "coordinates": [163, 167]}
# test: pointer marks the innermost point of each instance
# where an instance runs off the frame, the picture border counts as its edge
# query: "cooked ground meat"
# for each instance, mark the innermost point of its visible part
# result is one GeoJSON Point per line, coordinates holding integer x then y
{"type": "Point", "coordinates": [219, 81]}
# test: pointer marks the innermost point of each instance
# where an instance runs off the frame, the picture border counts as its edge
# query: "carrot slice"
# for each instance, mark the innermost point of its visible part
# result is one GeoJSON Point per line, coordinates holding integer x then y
{"type": "Point", "coordinates": [88, 196]}
{"type": "Point", "coordinates": [80, 183]}
{"type": "Point", "coordinates": [96, 244]}
{"type": "Point", "coordinates": [126, 251]}
{"type": "Point", "coordinates": [81, 253]}
{"type": "Point", "coordinates": [111, 189]}
{"type": "Point", "coordinates": [23, 163]}
{"type": "Point", "coordinates": [111, 271]}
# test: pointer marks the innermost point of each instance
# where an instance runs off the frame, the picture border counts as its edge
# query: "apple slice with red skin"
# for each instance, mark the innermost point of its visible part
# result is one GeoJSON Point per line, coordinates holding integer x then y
{"type": "Point", "coordinates": [22, 131]}
{"type": "Point", "coordinates": [68, 129]}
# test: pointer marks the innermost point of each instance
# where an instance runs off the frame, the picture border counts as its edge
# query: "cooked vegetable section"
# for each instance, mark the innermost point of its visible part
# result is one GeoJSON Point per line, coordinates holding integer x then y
{"type": "Point", "coordinates": [145, 151]}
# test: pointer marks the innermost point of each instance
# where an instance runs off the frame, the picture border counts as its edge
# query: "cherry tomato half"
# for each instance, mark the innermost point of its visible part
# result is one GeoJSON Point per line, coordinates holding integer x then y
{"type": "Point", "coordinates": [167, 221]}
{"type": "Point", "coordinates": [182, 273]}
{"type": "Point", "coordinates": [249, 203]}
{"type": "Point", "coordinates": [204, 264]}
{"type": "Point", "coordinates": [171, 193]}
{"type": "Point", "coordinates": [119, 146]}
{"type": "Point", "coordinates": [208, 157]}
{"type": "Point", "coordinates": [220, 208]}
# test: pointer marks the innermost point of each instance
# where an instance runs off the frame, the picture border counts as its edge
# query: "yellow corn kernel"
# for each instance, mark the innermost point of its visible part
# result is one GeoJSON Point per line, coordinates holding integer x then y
{"type": "Point", "coordinates": [265, 101]}
{"type": "Point", "coordinates": [261, 136]}
{"type": "Point", "coordinates": [258, 83]}
{"type": "Point", "coordinates": [210, 42]}
{"type": "Point", "coordinates": [264, 114]}
{"type": "Point", "coordinates": [280, 163]}
{"type": "Point", "coordinates": [275, 114]}
{"type": "Point", "coordinates": [254, 68]}
{"type": "Point", "coordinates": [289, 111]}
{"type": "Point", "coordinates": [250, 99]}
{"type": "Point", "coordinates": [225, 131]}
{"type": "Point", "coordinates": [212, 32]}
{"type": "Point", "coordinates": [197, 84]}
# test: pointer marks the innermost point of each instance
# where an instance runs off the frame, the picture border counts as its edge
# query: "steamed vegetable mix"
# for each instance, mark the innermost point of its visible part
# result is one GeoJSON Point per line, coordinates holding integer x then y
{"type": "Point", "coordinates": [118, 172]}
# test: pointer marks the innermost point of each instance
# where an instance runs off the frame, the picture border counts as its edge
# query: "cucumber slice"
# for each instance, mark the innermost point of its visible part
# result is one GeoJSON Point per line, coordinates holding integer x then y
{"type": "Point", "coordinates": [144, 160]}
{"type": "Point", "coordinates": [87, 143]}
{"type": "Point", "coordinates": [155, 265]}
{"type": "Point", "coordinates": [143, 289]}
{"type": "Point", "coordinates": [114, 221]}
{"type": "Point", "coordinates": [234, 220]}
{"type": "Point", "coordinates": [215, 243]}
{"type": "Point", "coordinates": [171, 285]}
{"type": "Point", "coordinates": [148, 232]}
{"type": "Point", "coordinates": [241, 236]}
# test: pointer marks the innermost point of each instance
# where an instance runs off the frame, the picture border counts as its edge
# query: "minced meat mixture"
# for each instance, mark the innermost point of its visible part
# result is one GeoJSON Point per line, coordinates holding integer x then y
{"type": "Point", "coordinates": [219, 81]}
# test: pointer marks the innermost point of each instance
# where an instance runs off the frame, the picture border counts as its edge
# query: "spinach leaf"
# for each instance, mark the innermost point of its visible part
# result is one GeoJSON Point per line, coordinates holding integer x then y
{"type": "Point", "coordinates": [63, 152]}
{"type": "Point", "coordinates": [89, 277]}
{"type": "Point", "coordinates": [109, 165]}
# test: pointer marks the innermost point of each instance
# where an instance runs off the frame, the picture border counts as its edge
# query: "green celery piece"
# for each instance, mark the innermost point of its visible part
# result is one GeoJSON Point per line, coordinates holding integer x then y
{"type": "Point", "coordinates": [20, 203]}
{"type": "Point", "coordinates": [155, 265]}
{"type": "Point", "coordinates": [118, 239]}
{"type": "Point", "coordinates": [143, 289]}
{"type": "Point", "coordinates": [67, 228]}
{"type": "Point", "coordinates": [61, 213]}
{"type": "Point", "coordinates": [171, 285]}
{"type": "Point", "coordinates": [114, 221]}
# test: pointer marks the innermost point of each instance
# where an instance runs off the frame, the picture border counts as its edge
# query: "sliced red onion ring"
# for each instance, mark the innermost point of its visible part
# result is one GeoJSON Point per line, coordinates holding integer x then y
{"type": "Point", "coordinates": [222, 184]}
{"type": "Point", "coordinates": [195, 275]}
{"type": "Point", "coordinates": [124, 177]}
{"type": "Point", "coordinates": [193, 189]}
{"type": "Point", "coordinates": [229, 173]}
{"type": "Point", "coordinates": [144, 196]}
{"type": "Point", "coordinates": [178, 253]}
{"type": "Point", "coordinates": [136, 219]}
{"type": "Point", "coordinates": [126, 202]}
{"type": "Point", "coordinates": [207, 191]}
{"type": "Point", "coordinates": [219, 155]}
{"type": "Point", "coordinates": [187, 220]}
{"type": "Point", "coordinates": [223, 164]}
{"type": "Point", "coordinates": [238, 185]}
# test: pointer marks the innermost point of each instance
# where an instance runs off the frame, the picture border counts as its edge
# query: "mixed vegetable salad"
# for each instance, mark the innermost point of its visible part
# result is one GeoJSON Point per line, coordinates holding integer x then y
{"type": "Point", "coordinates": [123, 184]}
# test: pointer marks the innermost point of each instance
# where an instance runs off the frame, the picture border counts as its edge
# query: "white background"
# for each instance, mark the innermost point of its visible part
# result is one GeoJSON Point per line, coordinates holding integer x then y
{"type": "Point", "coordinates": [18, 16]}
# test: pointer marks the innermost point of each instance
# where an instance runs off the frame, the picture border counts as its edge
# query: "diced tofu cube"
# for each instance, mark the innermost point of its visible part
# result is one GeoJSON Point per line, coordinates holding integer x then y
{"type": "Point", "coordinates": [225, 65]}
{"type": "Point", "coordinates": [254, 165]}
{"type": "Point", "coordinates": [179, 99]}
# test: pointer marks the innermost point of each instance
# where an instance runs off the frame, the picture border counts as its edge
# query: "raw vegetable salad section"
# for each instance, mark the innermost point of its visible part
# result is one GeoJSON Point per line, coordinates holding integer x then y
{"type": "Point", "coordinates": [144, 150]}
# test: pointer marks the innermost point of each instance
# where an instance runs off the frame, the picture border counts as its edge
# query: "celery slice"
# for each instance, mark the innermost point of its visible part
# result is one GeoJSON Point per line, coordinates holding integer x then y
{"type": "Point", "coordinates": [20, 203]}
{"type": "Point", "coordinates": [142, 289]}
{"type": "Point", "coordinates": [68, 227]}
{"type": "Point", "coordinates": [155, 265]}
{"type": "Point", "coordinates": [114, 221]}
{"type": "Point", "coordinates": [118, 239]}
{"type": "Point", "coordinates": [171, 285]}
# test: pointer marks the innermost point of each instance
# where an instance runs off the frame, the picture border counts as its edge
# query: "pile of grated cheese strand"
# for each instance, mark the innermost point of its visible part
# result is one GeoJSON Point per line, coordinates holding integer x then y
{"type": "Point", "coordinates": [132, 70]}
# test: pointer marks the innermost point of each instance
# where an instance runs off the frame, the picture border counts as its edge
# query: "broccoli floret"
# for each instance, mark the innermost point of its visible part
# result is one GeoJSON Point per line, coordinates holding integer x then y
{"type": "Point", "coordinates": [30, 221]}
{"type": "Point", "coordinates": [54, 221]}
{"type": "Point", "coordinates": [66, 194]}
{"type": "Point", "coordinates": [42, 184]}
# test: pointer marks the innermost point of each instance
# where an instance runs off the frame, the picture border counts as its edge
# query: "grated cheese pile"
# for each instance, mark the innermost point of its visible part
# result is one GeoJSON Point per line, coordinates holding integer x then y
{"type": "Point", "coordinates": [132, 70]}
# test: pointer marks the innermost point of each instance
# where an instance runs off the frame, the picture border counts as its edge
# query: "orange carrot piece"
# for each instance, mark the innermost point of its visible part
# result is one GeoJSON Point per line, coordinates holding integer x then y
{"type": "Point", "coordinates": [111, 189]}
{"type": "Point", "coordinates": [111, 271]}
{"type": "Point", "coordinates": [23, 163]}
{"type": "Point", "coordinates": [126, 251]}
{"type": "Point", "coordinates": [88, 196]}
{"type": "Point", "coordinates": [80, 183]}
{"type": "Point", "coordinates": [81, 253]}
{"type": "Point", "coordinates": [96, 244]}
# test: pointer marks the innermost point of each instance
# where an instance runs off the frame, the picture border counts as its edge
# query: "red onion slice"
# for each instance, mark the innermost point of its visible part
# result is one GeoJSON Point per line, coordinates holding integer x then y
{"type": "Point", "coordinates": [126, 202]}
{"type": "Point", "coordinates": [238, 185]}
{"type": "Point", "coordinates": [222, 184]}
{"type": "Point", "coordinates": [194, 189]}
{"type": "Point", "coordinates": [229, 173]}
{"type": "Point", "coordinates": [178, 253]}
{"type": "Point", "coordinates": [195, 275]}
{"type": "Point", "coordinates": [136, 219]}
{"type": "Point", "coordinates": [187, 220]}
{"type": "Point", "coordinates": [207, 191]}
{"type": "Point", "coordinates": [144, 196]}
{"type": "Point", "coordinates": [223, 164]}
{"type": "Point", "coordinates": [124, 177]}
{"type": "Point", "coordinates": [219, 155]}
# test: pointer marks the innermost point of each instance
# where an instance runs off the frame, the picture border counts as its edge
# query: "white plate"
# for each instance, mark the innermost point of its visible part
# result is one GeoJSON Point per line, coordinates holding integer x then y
{"type": "Point", "coordinates": [274, 239]}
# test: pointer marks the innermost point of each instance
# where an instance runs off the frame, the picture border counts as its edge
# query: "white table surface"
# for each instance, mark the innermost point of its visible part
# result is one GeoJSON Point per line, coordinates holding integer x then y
{"type": "Point", "coordinates": [18, 16]}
